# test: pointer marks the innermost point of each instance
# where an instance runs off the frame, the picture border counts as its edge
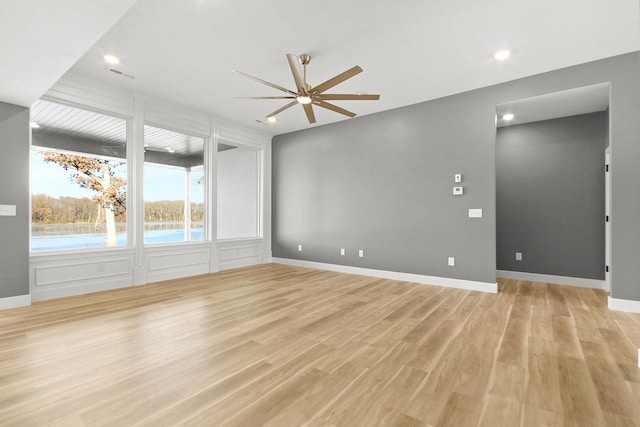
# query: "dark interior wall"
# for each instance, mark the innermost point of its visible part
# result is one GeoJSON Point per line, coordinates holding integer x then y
{"type": "Point", "coordinates": [550, 196]}
{"type": "Point", "coordinates": [383, 182]}
{"type": "Point", "coordinates": [14, 190]}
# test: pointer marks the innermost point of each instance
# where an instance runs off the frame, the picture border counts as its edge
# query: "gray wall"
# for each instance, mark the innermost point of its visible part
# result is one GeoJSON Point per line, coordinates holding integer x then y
{"type": "Point", "coordinates": [14, 190]}
{"type": "Point", "coordinates": [550, 196]}
{"type": "Point", "coordinates": [383, 182]}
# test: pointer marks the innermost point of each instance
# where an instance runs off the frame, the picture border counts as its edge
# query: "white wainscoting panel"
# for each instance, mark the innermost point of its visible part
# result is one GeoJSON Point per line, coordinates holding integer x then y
{"type": "Point", "coordinates": [175, 261]}
{"type": "Point", "coordinates": [60, 275]}
{"type": "Point", "coordinates": [239, 253]}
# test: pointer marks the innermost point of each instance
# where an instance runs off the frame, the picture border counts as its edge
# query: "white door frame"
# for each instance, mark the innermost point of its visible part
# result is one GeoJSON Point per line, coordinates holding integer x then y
{"type": "Point", "coordinates": [608, 218]}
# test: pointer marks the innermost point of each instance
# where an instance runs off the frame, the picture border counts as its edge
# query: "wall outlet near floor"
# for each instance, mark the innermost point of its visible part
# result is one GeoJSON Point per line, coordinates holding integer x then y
{"type": "Point", "coordinates": [299, 248]}
{"type": "Point", "coordinates": [342, 251]}
{"type": "Point", "coordinates": [361, 253]}
{"type": "Point", "coordinates": [451, 261]}
{"type": "Point", "coordinates": [518, 256]}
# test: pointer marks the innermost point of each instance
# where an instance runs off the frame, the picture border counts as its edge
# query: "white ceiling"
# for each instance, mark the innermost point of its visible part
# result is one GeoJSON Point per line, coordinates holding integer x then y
{"type": "Point", "coordinates": [41, 39]}
{"type": "Point", "coordinates": [184, 51]}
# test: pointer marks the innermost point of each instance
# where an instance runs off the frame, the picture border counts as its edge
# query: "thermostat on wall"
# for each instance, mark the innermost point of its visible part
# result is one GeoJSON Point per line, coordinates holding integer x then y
{"type": "Point", "coordinates": [457, 191]}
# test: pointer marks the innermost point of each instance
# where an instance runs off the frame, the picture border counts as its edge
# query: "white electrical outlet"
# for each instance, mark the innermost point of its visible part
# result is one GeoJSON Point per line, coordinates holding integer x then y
{"type": "Point", "coordinates": [457, 177]}
{"type": "Point", "coordinates": [518, 256]}
{"type": "Point", "coordinates": [361, 253]}
{"type": "Point", "coordinates": [299, 248]}
{"type": "Point", "coordinates": [342, 251]}
{"type": "Point", "coordinates": [451, 262]}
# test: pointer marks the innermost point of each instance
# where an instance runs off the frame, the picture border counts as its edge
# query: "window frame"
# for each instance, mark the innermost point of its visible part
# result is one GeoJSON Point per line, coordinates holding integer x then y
{"type": "Point", "coordinates": [128, 122]}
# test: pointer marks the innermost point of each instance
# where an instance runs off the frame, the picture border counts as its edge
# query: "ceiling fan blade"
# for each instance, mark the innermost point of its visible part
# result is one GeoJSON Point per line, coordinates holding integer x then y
{"type": "Point", "coordinates": [337, 79]}
{"type": "Point", "coordinates": [275, 86]}
{"type": "Point", "coordinates": [334, 108]}
{"type": "Point", "coordinates": [293, 64]}
{"type": "Point", "coordinates": [347, 97]}
{"type": "Point", "coordinates": [309, 111]}
{"type": "Point", "coordinates": [280, 110]}
{"type": "Point", "coordinates": [264, 97]}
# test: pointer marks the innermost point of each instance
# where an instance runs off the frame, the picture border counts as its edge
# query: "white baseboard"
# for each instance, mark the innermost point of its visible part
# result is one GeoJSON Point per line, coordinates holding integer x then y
{"type": "Point", "coordinates": [547, 278]}
{"type": "Point", "coordinates": [630, 306]}
{"type": "Point", "coordinates": [394, 275]}
{"type": "Point", "coordinates": [15, 302]}
{"type": "Point", "coordinates": [267, 257]}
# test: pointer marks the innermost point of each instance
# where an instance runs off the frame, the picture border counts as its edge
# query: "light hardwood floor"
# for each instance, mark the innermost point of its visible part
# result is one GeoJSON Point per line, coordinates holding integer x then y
{"type": "Point", "coordinates": [274, 345]}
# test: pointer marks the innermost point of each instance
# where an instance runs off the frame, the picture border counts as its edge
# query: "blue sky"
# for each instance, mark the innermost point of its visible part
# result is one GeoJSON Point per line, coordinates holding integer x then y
{"type": "Point", "coordinates": [161, 183]}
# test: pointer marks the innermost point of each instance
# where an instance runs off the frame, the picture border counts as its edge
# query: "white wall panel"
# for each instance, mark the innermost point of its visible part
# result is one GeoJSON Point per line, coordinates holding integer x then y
{"type": "Point", "coordinates": [171, 262]}
{"type": "Point", "coordinates": [239, 253]}
{"type": "Point", "coordinates": [73, 273]}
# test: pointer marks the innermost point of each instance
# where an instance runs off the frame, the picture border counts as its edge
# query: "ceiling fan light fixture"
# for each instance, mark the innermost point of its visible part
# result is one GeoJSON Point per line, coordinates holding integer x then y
{"type": "Point", "coordinates": [303, 99]}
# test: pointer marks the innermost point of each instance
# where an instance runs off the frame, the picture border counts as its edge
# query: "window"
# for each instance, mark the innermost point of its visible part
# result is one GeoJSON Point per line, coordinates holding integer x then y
{"type": "Point", "coordinates": [78, 178]}
{"type": "Point", "coordinates": [174, 187]}
{"type": "Point", "coordinates": [238, 192]}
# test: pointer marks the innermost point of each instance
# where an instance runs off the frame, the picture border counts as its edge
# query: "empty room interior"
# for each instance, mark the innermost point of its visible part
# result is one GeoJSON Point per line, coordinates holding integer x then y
{"type": "Point", "coordinates": [304, 213]}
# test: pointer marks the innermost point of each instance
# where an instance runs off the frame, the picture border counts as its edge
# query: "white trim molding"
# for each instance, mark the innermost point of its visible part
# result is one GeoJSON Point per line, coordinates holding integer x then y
{"type": "Point", "coordinates": [15, 302]}
{"type": "Point", "coordinates": [547, 278]}
{"type": "Point", "coordinates": [394, 275]}
{"type": "Point", "coordinates": [627, 305]}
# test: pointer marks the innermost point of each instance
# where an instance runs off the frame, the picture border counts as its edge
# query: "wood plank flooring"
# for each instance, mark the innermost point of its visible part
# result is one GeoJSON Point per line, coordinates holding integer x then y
{"type": "Point", "coordinates": [275, 345]}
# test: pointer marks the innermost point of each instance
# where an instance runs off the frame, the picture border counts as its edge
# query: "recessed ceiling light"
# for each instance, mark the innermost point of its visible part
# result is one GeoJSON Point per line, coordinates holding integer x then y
{"type": "Point", "coordinates": [170, 150]}
{"type": "Point", "coordinates": [508, 117]}
{"type": "Point", "coordinates": [501, 55]}
{"type": "Point", "coordinates": [271, 119]}
{"type": "Point", "coordinates": [111, 59]}
{"type": "Point", "coordinates": [34, 125]}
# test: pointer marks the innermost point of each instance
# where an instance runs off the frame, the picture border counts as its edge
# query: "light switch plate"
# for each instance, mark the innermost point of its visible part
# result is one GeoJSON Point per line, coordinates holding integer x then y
{"type": "Point", "coordinates": [457, 191]}
{"type": "Point", "coordinates": [451, 261]}
{"type": "Point", "coordinates": [7, 210]}
{"type": "Point", "coordinates": [475, 213]}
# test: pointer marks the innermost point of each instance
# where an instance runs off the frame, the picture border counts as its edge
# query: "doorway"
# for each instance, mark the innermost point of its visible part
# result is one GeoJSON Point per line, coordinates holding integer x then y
{"type": "Point", "coordinates": [551, 194]}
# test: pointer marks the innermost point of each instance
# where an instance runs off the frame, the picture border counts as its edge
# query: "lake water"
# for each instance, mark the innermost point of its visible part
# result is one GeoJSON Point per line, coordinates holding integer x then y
{"type": "Point", "coordinates": [78, 236]}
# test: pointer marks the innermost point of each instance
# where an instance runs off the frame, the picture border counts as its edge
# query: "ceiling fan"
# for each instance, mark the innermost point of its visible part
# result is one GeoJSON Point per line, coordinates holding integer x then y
{"type": "Point", "coordinates": [307, 96]}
